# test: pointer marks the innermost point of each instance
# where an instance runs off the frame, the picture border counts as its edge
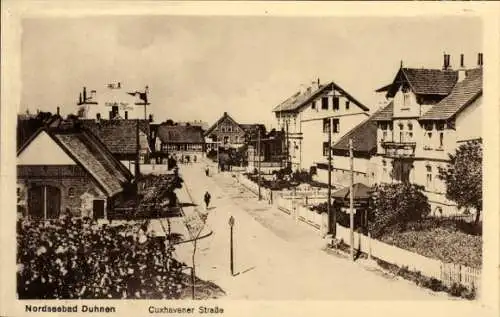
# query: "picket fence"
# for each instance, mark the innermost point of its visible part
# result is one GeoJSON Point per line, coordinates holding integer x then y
{"type": "Point", "coordinates": [447, 273]}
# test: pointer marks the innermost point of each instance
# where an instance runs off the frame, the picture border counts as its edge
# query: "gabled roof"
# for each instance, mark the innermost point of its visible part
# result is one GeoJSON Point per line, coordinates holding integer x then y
{"type": "Point", "coordinates": [364, 138]}
{"type": "Point", "coordinates": [301, 99]}
{"type": "Point", "coordinates": [224, 116]}
{"type": "Point", "coordinates": [360, 191]}
{"type": "Point", "coordinates": [463, 94]}
{"type": "Point", "coordinates": [119, 136]}
{"type": "Point", "coordinates": [180, 134]}
{"type": "Point", "coordinates": [384, 114]}
{"type": "Point", "coordinates": [27, 127]}
{"type": "Point", "coordinates": [423, 81]}
{"type": "Point", "coordinates": [92, 155]}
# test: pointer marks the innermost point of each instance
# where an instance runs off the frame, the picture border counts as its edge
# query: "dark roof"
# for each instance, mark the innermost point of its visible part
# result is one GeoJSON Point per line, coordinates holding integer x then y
{"type": "Point", "coordinates": [92, 155]}
{"type": "Point", "coordinates": [27, 127]}
{"type": "Point", "coordinates": [423, 81]}
{"type": "Point", "coordinates": [361, 191]}
{"type": "Point", "coordinates": [253, 127]}
{"type": "Point", "coordinates": [120, 136]}
{"type": "Point", "coordinates": [463, 94]}
{"type": "Point", "coordinates": [180, 134]}
{"type": "Point", "coordinates": [298, 100]}
{"type": "Point", "coordinates": [224, 116]}
{"type": "Point", "coordinates": [384, 114]}
{"type": "Point", "coordinates": [364, 138]}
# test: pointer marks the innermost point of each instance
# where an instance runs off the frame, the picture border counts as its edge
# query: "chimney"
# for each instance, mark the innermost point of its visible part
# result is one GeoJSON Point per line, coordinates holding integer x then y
{"type": "Point", "coordinates": [84, 94]}
{"type": "Point", "coordinates": [225, 113]}
{"type": "Point", "coordinates": [118, 85]}
{"type": "Point", "coordinates": [58, 110]}
{"type": "Point", "coordinates": [480, 59]}
{"type": "Point", "coordinates": [150, 118]}
{"type": "Point", "coordinates": [80, 99]}
{"type": "Point", "coordinates": [92, 94]}
{"type": "Point", "coordinates": [461, 71]}
{"type": "Point", "coordinates": [98, 117]}
{"type": "Point", "coordinates": [446, 62]}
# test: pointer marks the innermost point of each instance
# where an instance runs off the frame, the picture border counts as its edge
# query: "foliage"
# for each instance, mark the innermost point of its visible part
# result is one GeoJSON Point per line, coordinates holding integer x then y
{"type": "Point", "coordinates": [463, 177]}
{"type": "Point", "coordinates": [396, 204]}
{"type": "Point", "coordinates": [302, 176]}
{"type": "Point", "coordinates": [444, 244]}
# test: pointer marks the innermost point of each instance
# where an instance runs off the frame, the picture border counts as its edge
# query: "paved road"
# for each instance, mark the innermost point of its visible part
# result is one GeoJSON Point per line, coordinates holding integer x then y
{"type": "Point", "coordinates": [277, 258]}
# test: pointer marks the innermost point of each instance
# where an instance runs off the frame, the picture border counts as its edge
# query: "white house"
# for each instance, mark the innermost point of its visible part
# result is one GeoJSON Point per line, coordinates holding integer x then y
{"type": "Point", "coordinates": [307, 116]}
{"type": "Point", "coordinates": [431, 111]}
{"type": "Point", "coordinates": [114, 102]}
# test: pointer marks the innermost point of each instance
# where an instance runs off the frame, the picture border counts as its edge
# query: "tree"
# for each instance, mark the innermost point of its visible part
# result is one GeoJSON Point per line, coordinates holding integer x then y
{"type": "Point", "coordinates": [396, 205]}
{"type": "Point", "coordinates": [463, 177]}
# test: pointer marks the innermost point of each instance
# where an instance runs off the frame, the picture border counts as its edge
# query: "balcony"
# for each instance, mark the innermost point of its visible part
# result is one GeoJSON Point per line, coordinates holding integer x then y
{"type": "Point", "coordinates": [399, 149]}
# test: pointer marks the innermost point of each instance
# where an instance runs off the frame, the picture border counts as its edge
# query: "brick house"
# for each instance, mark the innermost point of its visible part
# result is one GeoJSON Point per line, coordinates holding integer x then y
{"type": "Point", "coordinates": [68, 168]}
{"type": "Point", "coordinates": [228, 132]}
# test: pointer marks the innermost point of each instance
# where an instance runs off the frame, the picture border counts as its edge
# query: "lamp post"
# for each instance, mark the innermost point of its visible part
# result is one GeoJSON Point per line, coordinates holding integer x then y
{"type": "Point", "coordinates": [231, 254]}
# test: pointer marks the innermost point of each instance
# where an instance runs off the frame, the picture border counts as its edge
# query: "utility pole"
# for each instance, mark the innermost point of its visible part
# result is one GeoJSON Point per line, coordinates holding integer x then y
{"type": "Point", "coordinates": [138, 149]}
{"type": "Point", "coordinates": [287, 143]}
{"type": "Point", "coordinates": [332, 228]}
{"type": "Point", "coordinates": [351, 199]}
{"type": "Point", "coordinates": [258, 162]}
{"type": "Point", "coordinates": [217, 144]}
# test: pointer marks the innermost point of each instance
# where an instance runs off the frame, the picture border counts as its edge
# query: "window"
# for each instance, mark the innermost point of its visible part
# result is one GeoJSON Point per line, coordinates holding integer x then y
{"type": "Point", "coordinates": [325, 148]}
{"type": "Point", "coordinates": [126, 115]}
{"type": "Point", "coordinates": [335, 103]}
{"type": "Point", "coordinates": [313, 105]}
{"type": "Point", "coordinates": [429, 176]}
{"type": "Point", "coordinates": [71, 192]}
{"type": "Point", "coordinates": [336, 125]}
{"type": "Point", "coordinates": [441, 138]}
{"type": "Point", "coordinates": [428, 126]}
{"type": "Point", "coordinates": [384, 135]}
{"type": "Point", "coordinates": [326, 125]}
{"type": "Point", "coordinates": [347, 104]}
{"type": "Point", "coordinates": [324, 103]}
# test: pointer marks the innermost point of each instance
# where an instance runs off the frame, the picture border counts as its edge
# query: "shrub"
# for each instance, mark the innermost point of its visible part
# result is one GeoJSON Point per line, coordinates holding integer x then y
{"type": "Point", "coordinates": [394, 204]}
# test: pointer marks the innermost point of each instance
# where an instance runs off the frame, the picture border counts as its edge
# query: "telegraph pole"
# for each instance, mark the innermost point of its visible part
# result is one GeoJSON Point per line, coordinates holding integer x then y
{"type": "Point", "coordinates": [217, 144]}
{"type": "Point", "coordinates": [332, 228]}
{"type": "Point", "coordinates": [258, 160]}
{"type": "Point", "coordinates": [351, 199]}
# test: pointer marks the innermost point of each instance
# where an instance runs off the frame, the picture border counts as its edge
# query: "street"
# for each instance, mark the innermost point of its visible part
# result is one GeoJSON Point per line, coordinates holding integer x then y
{"type": "Point", "coordinates": [276, 258]}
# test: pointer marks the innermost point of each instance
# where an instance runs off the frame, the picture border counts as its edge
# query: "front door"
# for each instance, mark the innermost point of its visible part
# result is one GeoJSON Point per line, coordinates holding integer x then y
{"type": "Point", "coordinates": [44, 202]}
{"type": "Point", "coordinates": [36, 202]}
{"type": "Point", "coordinates": [98, 209]}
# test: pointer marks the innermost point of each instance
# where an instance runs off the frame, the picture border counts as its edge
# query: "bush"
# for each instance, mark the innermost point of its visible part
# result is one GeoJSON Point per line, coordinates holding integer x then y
{"type": "Point", "coordinates": [396, 204]}
{"type": "Point", "coordinates": [302, 176]}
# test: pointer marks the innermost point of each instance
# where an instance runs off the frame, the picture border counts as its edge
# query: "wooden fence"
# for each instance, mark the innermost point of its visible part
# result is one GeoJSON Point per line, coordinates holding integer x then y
{"type": "Point", "coordinates": [448, 273]}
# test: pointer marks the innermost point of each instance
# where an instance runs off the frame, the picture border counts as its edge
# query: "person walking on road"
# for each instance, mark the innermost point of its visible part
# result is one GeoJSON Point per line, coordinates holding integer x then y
{"type": "Point", "coordinates": [207, 200]}
{"type": "Point", "coordinates": [207, 171]}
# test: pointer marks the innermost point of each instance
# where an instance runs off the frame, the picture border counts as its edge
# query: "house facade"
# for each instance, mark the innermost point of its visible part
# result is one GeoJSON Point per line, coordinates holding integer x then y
{"type": "Point", "coordinates": [114, 102]}
{"type": "Point", "coordinates": [430, 112]}
{"type": "Point", "coordinates": [63, 170]}
{"type": "Point", "coordinates": [307, 117]}
{"type": "Point", "coordinates": [181, 141]}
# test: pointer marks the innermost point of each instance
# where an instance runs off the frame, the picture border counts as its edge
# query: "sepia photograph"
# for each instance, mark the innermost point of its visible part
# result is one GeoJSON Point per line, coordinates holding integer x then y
{"type": "Point", "coordinates": [209, 158]}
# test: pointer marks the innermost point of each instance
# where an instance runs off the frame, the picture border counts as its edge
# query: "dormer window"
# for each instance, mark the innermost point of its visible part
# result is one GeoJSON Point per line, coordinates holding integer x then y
{"type": "Point", "coordinates": [347, 104]}
{"type": "Point", "coordinates": [335, 103]}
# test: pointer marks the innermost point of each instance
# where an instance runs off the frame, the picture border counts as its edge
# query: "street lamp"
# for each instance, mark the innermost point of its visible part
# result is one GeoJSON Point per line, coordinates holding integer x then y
{"type": "Point", "coordinates": [231, 255]}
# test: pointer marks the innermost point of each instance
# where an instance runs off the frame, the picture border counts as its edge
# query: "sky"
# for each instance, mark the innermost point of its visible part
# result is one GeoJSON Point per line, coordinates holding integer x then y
{"type": "Point", "coordinates": [197, 67]}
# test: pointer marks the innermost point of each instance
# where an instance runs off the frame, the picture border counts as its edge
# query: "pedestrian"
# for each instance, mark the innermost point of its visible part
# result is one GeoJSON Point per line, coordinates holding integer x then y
{"type": "Point", "coordinates": [207, 200]}
{"type": "Point", "coordinates": [207, 171]}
